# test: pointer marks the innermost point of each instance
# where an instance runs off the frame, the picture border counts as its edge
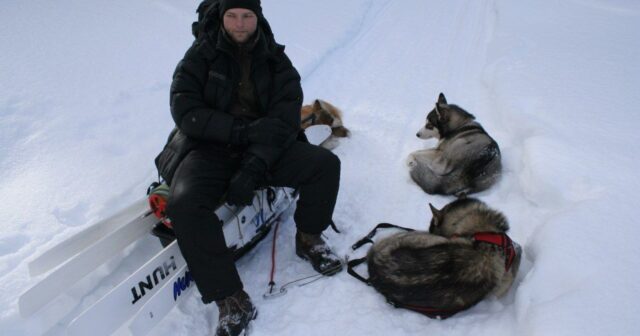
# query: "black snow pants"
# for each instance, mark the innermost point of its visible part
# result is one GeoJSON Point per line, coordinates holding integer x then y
{"type": "Point", "coordinates": [198, 188]}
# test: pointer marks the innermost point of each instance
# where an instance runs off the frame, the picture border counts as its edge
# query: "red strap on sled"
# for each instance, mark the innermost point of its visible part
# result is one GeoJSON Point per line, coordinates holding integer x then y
{"type": "Point", "coordinates": [158, 204]}
{"type": "Point", "coordinates": [158, 194]}
{"type": "Point", "coordinates": [501, 240]}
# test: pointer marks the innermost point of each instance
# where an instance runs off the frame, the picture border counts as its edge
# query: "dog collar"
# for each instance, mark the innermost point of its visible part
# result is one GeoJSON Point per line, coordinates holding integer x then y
{"type": "Point", "coordinates": [465, 128]}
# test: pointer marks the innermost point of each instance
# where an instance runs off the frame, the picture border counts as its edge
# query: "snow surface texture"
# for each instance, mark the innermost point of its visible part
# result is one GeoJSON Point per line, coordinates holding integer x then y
{"type": "Point", "coordinates": [84, 110]}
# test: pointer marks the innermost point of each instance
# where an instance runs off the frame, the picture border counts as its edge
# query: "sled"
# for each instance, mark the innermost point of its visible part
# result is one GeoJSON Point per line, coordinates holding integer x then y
{"type": "Point", "coordinates": [150, 292]}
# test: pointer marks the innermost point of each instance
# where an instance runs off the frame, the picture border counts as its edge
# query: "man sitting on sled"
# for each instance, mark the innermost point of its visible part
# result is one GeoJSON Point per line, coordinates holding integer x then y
{"type": "Point", "coordinates": [235, 99]}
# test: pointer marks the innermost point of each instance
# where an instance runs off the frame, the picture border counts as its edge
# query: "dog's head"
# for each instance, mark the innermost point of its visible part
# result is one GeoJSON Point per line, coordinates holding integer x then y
{"type": "Point", "coordinates": [443, 119]}
{"type": "Point", "coordinates": [464, 217]}
{"type": "Point", "coordinates": [323, 113]}
{"type": "Point", "coordinates": [323, 116]}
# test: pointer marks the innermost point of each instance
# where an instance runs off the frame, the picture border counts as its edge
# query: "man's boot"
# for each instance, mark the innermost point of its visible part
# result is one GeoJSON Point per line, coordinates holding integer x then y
{"type": "Point", "coordinates": [313, 248]}
{"type": "Point", "coordinates": [236, 311]}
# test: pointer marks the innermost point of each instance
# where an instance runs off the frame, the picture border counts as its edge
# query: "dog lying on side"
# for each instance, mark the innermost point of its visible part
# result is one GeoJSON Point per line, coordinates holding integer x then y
{"type": "Point", "coordinates": [466, 159]}
{"type": "Point", "coordinates": [323, 113]}
{"type": "Point", "coordinates": [465, 257]}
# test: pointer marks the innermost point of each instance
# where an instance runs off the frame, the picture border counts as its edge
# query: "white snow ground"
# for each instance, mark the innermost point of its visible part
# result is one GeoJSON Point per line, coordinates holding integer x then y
{"type": "Point", "coordinates": [84, 110]}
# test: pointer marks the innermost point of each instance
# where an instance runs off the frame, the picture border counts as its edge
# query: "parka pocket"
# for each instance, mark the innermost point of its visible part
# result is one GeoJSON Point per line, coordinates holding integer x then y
{"type": "Point", "coordinates": [217, 88]}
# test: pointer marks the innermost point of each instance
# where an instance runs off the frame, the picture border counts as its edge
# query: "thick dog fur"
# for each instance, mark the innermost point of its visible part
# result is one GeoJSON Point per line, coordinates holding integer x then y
{"type": "Point", "coordinates": [466, 159]}
{"type": "Point", "coordinates": [323, 113]}
{"type": "Point", "coordinates": [444, 268]}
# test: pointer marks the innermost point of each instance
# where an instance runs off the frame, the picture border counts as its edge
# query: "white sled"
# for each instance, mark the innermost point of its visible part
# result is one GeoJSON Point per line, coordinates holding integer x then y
{"type": "Point", "coordinates": [149, 293]}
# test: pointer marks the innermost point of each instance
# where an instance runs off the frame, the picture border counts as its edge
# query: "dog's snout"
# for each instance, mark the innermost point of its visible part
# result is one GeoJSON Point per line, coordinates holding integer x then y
{"type": "Point", "coordinates": [418, 135]}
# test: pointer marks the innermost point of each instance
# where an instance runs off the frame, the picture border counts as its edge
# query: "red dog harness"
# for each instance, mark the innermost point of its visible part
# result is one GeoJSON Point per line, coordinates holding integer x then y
{"type": "Point", "coordinates": [501, 240]}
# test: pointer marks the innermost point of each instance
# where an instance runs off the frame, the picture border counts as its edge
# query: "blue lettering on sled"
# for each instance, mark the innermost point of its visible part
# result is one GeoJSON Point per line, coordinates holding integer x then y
{"type": "Point", "coordinates": [181, 284]}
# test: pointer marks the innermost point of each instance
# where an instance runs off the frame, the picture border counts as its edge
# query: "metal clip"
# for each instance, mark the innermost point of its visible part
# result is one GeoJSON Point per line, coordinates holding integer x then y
{"type": "Point", "coordinates": [271, 293]}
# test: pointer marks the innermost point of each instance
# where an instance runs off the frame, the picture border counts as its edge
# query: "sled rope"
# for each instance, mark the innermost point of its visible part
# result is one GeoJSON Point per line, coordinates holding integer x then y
{"type": "Point", "coordinates": [312, 278]}
{"type": "Point", "coordinates": [272, 283]}
{"type": "Point", "coordinates": [315, 277]}
{"type": "Point", "coordinates": [283, 289]}
{"type": "Point", "coordinates": [237, 219]}
{"type": "Point", "coordinates": [261, 212]}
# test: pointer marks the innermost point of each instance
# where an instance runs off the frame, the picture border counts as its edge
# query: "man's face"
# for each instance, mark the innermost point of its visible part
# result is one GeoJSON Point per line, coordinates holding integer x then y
{"type": "Point", "coordinates": [240, 24]}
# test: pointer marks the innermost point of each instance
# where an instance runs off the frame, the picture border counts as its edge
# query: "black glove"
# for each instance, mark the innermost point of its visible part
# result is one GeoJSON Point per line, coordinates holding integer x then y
{"type": "Point", "coordinates": [266, 131]}
{"type": "Point", "coordinates": [245, 181]}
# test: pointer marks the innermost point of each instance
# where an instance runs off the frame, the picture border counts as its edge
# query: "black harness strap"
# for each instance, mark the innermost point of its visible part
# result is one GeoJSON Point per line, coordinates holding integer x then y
{"type": "Point", "coordinates": [351, 264]}
{"type": "Point", "coordinates": [334, 227]}
{"type": "Point", "coordinates": [435, 313]}
{"type": "Point", "coordinates": [368, 240]}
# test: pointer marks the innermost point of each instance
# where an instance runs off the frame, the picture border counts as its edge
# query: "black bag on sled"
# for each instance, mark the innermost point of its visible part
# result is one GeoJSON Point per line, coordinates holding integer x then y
{"type": "Point", "coordinates": [177, 147]}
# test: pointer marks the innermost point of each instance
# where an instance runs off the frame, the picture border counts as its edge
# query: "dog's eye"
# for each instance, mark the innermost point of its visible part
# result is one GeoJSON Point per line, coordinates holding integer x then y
{"type": "Point", "coordinates": [429, 126]}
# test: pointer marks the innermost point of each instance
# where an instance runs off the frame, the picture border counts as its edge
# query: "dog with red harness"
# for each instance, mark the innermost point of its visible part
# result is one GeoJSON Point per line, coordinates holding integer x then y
{"type": "Point", "coordinates": [465, 257]}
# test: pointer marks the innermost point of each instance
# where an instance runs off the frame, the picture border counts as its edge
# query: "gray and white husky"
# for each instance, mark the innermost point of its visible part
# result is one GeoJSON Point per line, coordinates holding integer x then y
{"type": "Point", "coordinates": [465, 257]}
{"type": "Point", "coordinates": [466, 159]}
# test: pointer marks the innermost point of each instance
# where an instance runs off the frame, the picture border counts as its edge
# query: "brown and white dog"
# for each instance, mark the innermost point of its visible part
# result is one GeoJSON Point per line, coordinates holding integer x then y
{"type": "Point", "coordinates": [323, 113]}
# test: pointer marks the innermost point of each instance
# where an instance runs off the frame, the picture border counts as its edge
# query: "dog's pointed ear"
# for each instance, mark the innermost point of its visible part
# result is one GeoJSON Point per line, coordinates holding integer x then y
{"type": "Point", "coordinates": [438, 114]}
{"type": "Point", "coordinates": [442, 99]}
{"type": "Point", "coordinates": [437, 215]}
{"type": "Point", "coordinates": [317, 105]}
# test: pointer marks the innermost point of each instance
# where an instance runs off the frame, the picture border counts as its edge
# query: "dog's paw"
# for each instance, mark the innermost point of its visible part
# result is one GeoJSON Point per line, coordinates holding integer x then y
{"type": "Point", "coordinates": [331, 143]}
{"type": "Point", "coordinates": [411, 161]}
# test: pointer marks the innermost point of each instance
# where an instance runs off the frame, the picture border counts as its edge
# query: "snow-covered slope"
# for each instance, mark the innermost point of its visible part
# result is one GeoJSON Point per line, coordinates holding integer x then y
{"type": "Point", "coordinates": [84, 110]}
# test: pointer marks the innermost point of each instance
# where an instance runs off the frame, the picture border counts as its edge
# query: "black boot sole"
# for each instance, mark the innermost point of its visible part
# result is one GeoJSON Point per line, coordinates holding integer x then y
{"type": "Point", "coordinates": [247, 327]}
{"type": "Point", "coordinates": [247, 330]}
{"type": "Point", "coordinates": [328, 272]}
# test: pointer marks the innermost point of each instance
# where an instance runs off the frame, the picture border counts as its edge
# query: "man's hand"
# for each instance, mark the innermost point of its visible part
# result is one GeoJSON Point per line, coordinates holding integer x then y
{"type": "Point", "coordinates": [241, 189]}
{"type": "Point", "coordinates": [268, 131]}
{"type": "Point", "coordinates": [245, 181]}
{"type": "Point", "coordinates": [265, 131]}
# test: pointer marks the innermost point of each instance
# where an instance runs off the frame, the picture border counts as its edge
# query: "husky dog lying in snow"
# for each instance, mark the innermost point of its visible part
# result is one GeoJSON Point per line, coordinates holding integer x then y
{"type": "Point", "coordinates": [465, 257]}
{"type": "Point", "coordinates": [323, 113]}
{"type": "Point", "coordinates": [466, 159]}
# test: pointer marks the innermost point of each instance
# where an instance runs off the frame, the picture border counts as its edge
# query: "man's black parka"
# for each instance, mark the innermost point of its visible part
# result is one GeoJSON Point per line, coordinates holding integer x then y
{"type": "Point", "coordinates": [205, 83]}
